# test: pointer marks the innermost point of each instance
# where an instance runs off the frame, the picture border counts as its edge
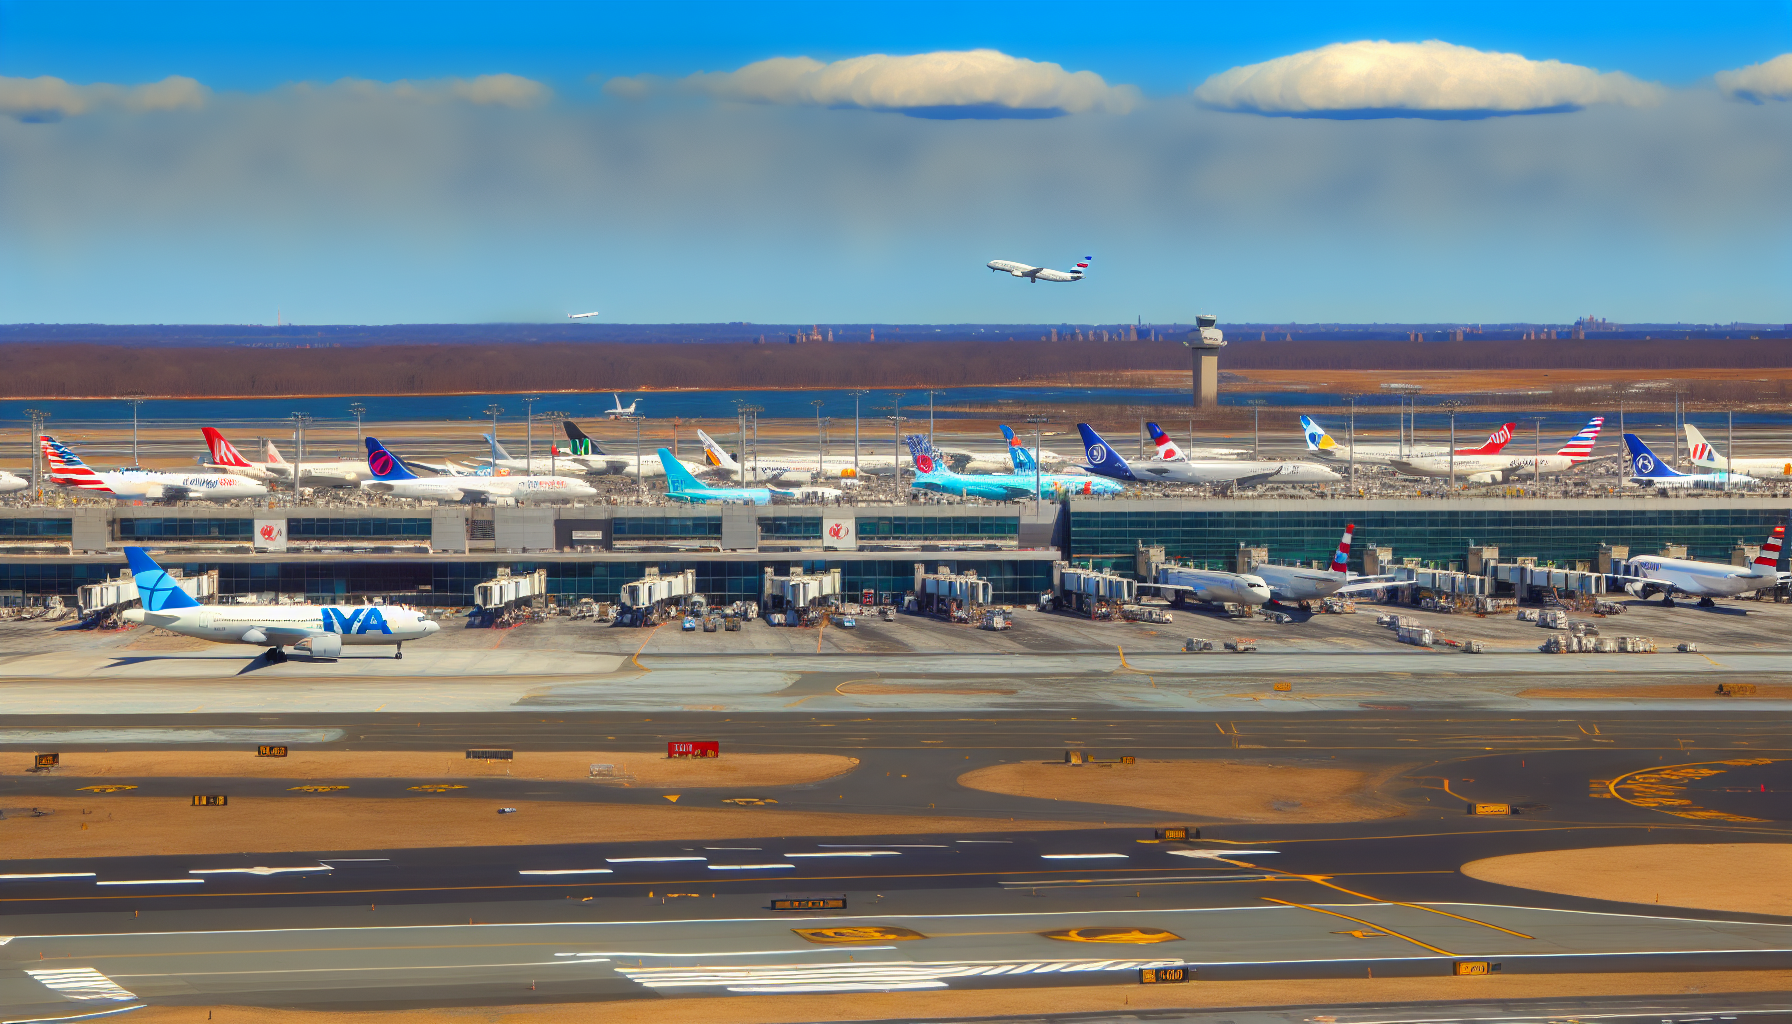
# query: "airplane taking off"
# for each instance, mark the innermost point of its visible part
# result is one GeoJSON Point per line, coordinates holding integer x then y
{"type": "Point", "coordinates": [320, 631]}
{"type": "Point", "coordinates": [579, 316]}
{"type": "Point", "coordinates": [1648, 470]}
{"type": "Point", "coordinates": [1321, 444]}
{"type": "Point", "coordinates": [1292, 583]}
{"type": "Point", "coordinates": [322, 473]}
{"type": "Point", "coordinates": [682, 486]}
{"type": "Point", "coordinates": [931, 474]}
{"type": "Point", "coordinates": [1493, 469]}
{"type": "Point", "coordinates": [391, 477]}
{"type": "Point", "coordinates": [1105, 461]}
{"type": "Point", "coordinates": [67, 470]}
{"type": "Point", "coordinates": [619, 412]}
{"type": "Point", "coordinates": [1648, 575]}
{"type": "Point", "coordinates": [1038, 274]}
{"type": "Point", "coordinates": [1705, 457]}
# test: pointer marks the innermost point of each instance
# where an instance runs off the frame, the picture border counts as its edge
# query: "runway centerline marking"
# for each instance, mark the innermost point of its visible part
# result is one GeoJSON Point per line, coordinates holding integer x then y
{"type": "Point", "coordinates": [1369, 924]}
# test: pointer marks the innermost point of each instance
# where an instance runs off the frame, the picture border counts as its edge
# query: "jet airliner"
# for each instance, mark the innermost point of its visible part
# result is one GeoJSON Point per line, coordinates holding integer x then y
{"type": "Point", "coordinates": [1038, 274]}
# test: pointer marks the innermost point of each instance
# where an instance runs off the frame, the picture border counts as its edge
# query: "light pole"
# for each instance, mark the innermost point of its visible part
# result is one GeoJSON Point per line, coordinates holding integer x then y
{"type": "Point", "coordinates": [856, 395]}
{"type": "Point", "coordinates": [821, 455]}
{"type": "Point", "coordinates": [1352, 435]}
{"type": "Point", "coordinates": [1679, 425]}
{"type": "Point", "coordinates": [494, 410]}
{"type": "Point", "coordinates": [1256, 405]}
{"type": "Point", "coordinates": [1036, 422]}
{"type": "Point", "coordinates": [896, 448]}
{"type": "Point", "coordinates": [357, 410]}
{"type": "Point", "coordinates": [529, 433]}
{"type": "Point", "coordinates": [553, 448]}
{"type": "Point", "coordinates": [1452, 405]}
{"type": "Point", "coordinates": [1537, 452]}
{"type": "Point", "coordinates": [136, 399]}
{"type": "Point", "coordinates": [640, 471]}
{"type": "Point", "coordinates": [38, 416]}
{"type": "Point", "coordinates": [299, 422]}
{"type": "Point", "coordinates": [752, 412]}
{"type": "Point", "coordinates": [1730, 452]}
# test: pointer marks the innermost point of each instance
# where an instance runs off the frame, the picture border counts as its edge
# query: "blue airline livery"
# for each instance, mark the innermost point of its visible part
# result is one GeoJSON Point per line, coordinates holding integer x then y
{"type": "Point", "coordinates": [932, 474]}
{"type": "Point", "coordinates": [682, 486]}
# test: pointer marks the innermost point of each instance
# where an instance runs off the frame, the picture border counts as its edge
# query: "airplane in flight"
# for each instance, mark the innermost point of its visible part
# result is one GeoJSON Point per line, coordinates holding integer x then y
{"type": "Point", "coordinates": [1038, 274]}
{"type": "Point", "coordinates": [1321, 444]}
{"type": "Point", "coordinates": [932, 474]}
{"type": "Point", "coordinates": [10, 482]}
{"type": "Point", "coordinates": [619, 412]}
{"type": "Point", "coordinates": [1648, 470]}
{"type": "Point", "coordinates": [1105, 461]}
{"type": "Point", "coordinates": [1648, 575]}
{"type": "Point", "coordinates": [391, 477]}
{"type": "Point", "coordinates": [1292, 583]}
{"type": "Point", "coordinates": [1503, 467]}
{"type": "Point", "coordinates": [1167, 450]}
{"type": "Point", "coordinates": [785, 466]}
{"type": "Point", "coordinates": [321, 631]}
{"type": "Point", "coordinates": [682, 486]}
{"type": "Point", "coordinates": [1705, 457]}
{"type": "Point", "coordinates": [580, 316]}
{"type": "Point", "coordinates": [67, 470]}
{"type": "Point", "coordinates": [322, 473]}
{"type": "Point", "coordinates": [585, 452]}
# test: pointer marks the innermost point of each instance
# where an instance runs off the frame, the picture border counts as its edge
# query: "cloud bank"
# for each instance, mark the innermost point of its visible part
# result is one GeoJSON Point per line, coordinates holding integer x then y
{"type": "Point", "coordinates": [1430, 79]}
{"type": "Point", "coordinates": [51, 99]}
{"type": "Point", "coordinates": [501, 90]}
{"type": "Point", "coordinates": [1771, 80]}
{"type": "Point", "coordinates": [961, 83]}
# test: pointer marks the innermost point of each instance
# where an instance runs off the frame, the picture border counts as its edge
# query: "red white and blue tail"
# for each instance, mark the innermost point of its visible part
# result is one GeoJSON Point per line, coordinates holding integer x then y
{"type": "Point", "coordinates": [1082, 266]}
{"type": "Point", "coordinates": [1769, 558]}
{"type": "Point", "coordinates": [1581, 445]}
{"type": "Point", "coordinates": [1166, 448]}
{"type": "Point", "coordinates": [1341, 558]}
{"type": "Point", "coordinates": [67, 469]}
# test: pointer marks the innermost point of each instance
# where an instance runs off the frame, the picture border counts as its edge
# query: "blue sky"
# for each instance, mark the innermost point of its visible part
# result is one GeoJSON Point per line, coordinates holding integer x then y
{"type": "Point", "coordinates": [469, 162]}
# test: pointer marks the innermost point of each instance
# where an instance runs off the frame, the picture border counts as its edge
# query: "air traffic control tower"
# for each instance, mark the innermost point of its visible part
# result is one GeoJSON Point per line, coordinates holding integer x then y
{"type": "Point", "coordinates": [1204, 343]}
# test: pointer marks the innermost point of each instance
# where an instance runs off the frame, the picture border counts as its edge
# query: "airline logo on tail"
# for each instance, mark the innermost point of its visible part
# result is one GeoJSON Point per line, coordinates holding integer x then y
{"type": "Point", "coordinates": [1317, 439]}
{"type": "Point", "coordinates": [1341, 559]}
{"type": "Point", "coordinates": [223, 452]}
{"type": "Point", "coordinates": [1102, 457]}
{"type": "Point", "coordinates": [383, 464]}
{"type": "Point", "coordinates": [1769, 558]}
{"type": "Point", "coordinates": [1082, 265]}
{"type": "Point", "coordinates": [714, 453]}
{"type": "Point", "coordinates": [67, 469]}
{"type": "Point", "coordinates": [917, 447]}
{"type": "Point", "coordinates": [1643, 461]}
{"type": "Point", "coordinates": [1166, 448]}
{"type": "Point", "coordinates": [155, 588]}
{"type": "Point", "coordinates": [1495, 441]}
{"type": "Point", "coordinates": [1582, 443]}
{"type": "Point", "coordinates": [1702, 453]}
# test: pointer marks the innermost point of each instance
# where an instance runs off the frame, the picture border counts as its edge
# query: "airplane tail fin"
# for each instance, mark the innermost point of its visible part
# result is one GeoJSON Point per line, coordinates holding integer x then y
{"type": "Point", "coordinates": [1643, 462]}
{"type": "Point", "coordinates": [578, 442]}
{"type": "Point", "coordinates": [1495, 441]}
{"type": "Point", "coordinates": [1166, 448]}
{"type": "Point", "coordinates": [498, 451]}
{"type": "Point", "coordinates": [925, 462]}
{"type": "Point", "coordinates": [1082, 266]}
{"type": "Point", "coordinates": [223, 452]}
{"type": "Point", "coordinates": [1317, 439]}
{"type": "Point", "coordinates": [1769, 558]}
{"type": "Point", "coordinates": [678, 479]}
{"type": "Point", "coordinates": [66, 468]}
{"type": "Point", "coordinates": [1702, 453]}
{"type": "Point", "coordinates": [1103, 460]}
{"type": "Point", "coordinates": [274, 456]}
{"type": "Point", "coordinates": [1341, 557]}
{"type": "Point", "coordinates": [155, 588]}
{"type": "Point", "coordinates": [715, 454]}
{"type": "Point", "coordinates": [1020, 457]}
{"type": "Point", "coordinates": [1581, 445]}
{"type": "Point", "coordinates": [383, 464]}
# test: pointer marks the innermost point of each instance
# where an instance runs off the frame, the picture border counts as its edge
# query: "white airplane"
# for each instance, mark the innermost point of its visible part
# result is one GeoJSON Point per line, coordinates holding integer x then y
{"type": "Point", "coordinates": [590, 456]}
{"type": "Point", "coordinates": [67, 470]}
{"type": "Point", "coordinates": [1013, 459]}
{"type": "Point", "coordinates": [619, 412]}
{"type": "Point", "coordinates": [1292, 583]}
{"type": "Point", "coordinates": [1103, 460]}
{"type": "Point", "coordinates": [1038, 274]}
{"type": "Point", "coordinates": [1648, 575]}
{"type": "Point", "coordinates": [1321, 444]}
{"type": "Point", "coordinates": [1649, 471]}
{"type": "Point", "coordinates": [1503, 467]}
{"type": "Point", "coordinates": [579, 316]}
{"type": "Point", "coordinates": [322, 473]}
{"type": "Point", "coordinates": [784, 466]}
{"type": "Point", "coordinates": [391, 477]}
{"type": "Point", "coordinates": [10, 482]}
{"type": "Point", "coordinates": [321, 631]}
{"type": "Point", "coordinates": [1705, 457]}
{"type": "Point", "coordinates": [1211, 586]}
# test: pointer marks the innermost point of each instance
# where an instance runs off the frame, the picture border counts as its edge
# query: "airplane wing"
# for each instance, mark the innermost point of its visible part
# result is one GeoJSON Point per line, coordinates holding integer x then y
{"type": "Point", "coordinates": [287, 633]}
{"type": "Point", "coordinates": [1360, 586]}
{"type": "Point", "coordinates": [438, 468]}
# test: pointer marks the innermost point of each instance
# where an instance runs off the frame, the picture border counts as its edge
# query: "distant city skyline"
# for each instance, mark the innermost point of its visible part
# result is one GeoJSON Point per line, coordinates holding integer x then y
{"type": "Point", "coordinates": [1277, 163]}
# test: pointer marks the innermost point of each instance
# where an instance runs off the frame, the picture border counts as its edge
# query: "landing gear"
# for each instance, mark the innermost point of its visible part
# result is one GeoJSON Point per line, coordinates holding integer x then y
{"type": "Point", "coordinates": [1706, 602]}
{"type": "Point", "coordinates": [400, 652]}
{"type": "Point", "coordinates": [1667, 600]}
{"type": "Point", "coordinates": [275, 655]}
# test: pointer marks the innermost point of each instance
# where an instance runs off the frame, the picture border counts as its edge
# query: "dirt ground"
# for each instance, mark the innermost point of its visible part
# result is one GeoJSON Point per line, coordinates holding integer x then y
{"type": "Point", "coordinates": [1015, 1002]}
{"type": "Point", "coordinates": [1754, 878]}
{"type": "Point", "coordinates": [125, 826]}
{"type": "Point", "coordinates": [1206, 789]}
{"type": "Point", "coordinates": [888, 688]}
{"type": "Point", "coordinates": [636, 769]}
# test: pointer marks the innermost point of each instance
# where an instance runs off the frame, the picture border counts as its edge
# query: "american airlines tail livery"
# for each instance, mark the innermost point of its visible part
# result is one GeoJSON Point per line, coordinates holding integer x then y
{"type": "Point", "coordinates": [67, 470]}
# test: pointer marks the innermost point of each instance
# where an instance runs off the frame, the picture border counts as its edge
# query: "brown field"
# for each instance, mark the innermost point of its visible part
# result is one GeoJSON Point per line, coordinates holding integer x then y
{"type": "Point", "coordinates": [1748, 878]}
{"type": "Point", "coordinates": [1206, 789]}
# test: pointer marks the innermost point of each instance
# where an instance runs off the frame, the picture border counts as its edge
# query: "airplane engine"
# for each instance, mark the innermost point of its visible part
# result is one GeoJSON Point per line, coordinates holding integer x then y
{"type": "Point", "coordinates": [1484, 478]}
{"type": "Point", "coordinates": [329, 646]}
{"type": "Point", "coordinates": [254, 636]}
{"type": "Point", "coordinates": [1016, 273]}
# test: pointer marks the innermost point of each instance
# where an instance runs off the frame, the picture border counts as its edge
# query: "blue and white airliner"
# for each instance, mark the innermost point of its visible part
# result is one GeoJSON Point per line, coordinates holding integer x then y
{"type": "Point", "coordinates": [1647, 469]}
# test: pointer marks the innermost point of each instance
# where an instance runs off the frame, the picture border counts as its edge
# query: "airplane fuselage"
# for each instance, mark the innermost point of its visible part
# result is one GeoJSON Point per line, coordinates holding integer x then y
{"type": "Point", "coordinates": [355, 625]}
{"type": "Point", "coordinates": [1034, 274]}
{"type": "Point", "coordinates": [1701, 579]}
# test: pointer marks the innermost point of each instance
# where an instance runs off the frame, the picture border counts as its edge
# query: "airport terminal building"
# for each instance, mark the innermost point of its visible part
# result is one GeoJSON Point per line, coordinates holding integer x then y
{"type": "Point", "coordinates": [437, 555]}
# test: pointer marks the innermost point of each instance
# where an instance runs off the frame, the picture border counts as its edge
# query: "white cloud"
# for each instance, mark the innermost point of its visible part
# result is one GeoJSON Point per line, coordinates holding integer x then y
{"type": "Point", "coordinates": [965, 83]}
{"type": "Point", "coordinates": [501, 90]}
{"type": "Point", "coordinates": [1771, 80]}
{"type": "Point", "coordinates": [50, 99]}
{"type": "Point", "coordinates": [1429, 79]}
{"type": "Point", "coordinates": [636, 88]}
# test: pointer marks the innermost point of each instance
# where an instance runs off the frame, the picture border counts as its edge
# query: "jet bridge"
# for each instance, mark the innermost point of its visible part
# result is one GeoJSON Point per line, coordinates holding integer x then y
{"type": "Point", "coordinates": [798, 591]}
{"type": "Point", "coordinates": [509, 590]}
{"type": "Point", "coordinates": [1091, 592]}
{"type": "Point", "coordinates": [655, 590]}
{"type": "Point", "coordinates": [950, 593]}
{"type": "Point", "coordinates": [97, 597]}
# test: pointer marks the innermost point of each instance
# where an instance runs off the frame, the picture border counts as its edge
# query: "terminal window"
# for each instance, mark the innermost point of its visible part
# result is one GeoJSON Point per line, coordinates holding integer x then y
{"type": "Point", "coordinates": [370, 527]}
{"type": "Point", "coordinates": [896, 528]}
{"type": "Point", "coordinates": [37, 528]}
{"type": "Point", "coordinates": [790, 527]}
{"type": "Point", "coordinates": [653, 527]}
{"type": "Point", "coordinates": [185, 529]}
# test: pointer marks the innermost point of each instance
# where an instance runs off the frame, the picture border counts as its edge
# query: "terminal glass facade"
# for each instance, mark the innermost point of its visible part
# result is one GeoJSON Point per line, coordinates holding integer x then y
{"type": "Point", "coordinates": [790, 527]}
{"type": "Point", "coordinates": [175, 528]}
{"type": "Point", "coordinates": [25, 528]}
{"type": "Point", "coordinates": [1438, 534]}
{"type": "Point", "coordinates": [381, 527]}
{"type": "Point", "coordinates": [666, 527]}
{"type": "Point", "coordinates": [901, 528]}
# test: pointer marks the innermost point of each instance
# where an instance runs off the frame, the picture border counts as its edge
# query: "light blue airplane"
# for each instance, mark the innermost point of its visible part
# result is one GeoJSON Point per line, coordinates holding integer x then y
{"type": "Point", "coordinates": [932, 474]}
{"type": "Point", "coordinates": [682, 486]}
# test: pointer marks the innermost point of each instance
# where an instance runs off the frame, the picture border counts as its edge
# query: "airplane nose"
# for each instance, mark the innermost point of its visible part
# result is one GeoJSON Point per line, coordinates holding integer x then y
{"type": "Point", "coordinates": [431, 626]}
